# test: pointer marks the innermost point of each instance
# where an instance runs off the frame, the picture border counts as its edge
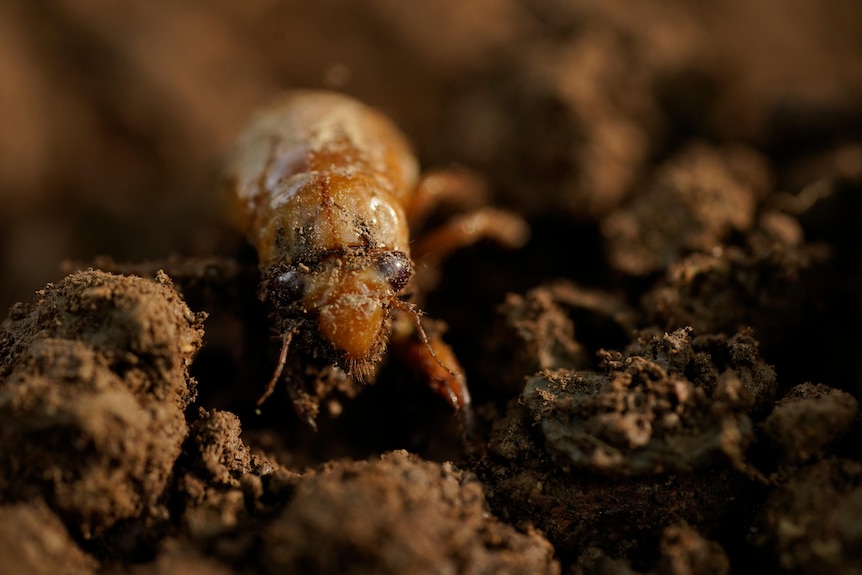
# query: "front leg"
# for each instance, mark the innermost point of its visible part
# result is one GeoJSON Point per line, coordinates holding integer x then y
{"type": "Point", "coordinates": [435, 361]}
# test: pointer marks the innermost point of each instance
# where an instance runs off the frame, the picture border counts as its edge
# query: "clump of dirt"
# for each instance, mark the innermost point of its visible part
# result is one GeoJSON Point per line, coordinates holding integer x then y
{"type": "Point", "coordinates": [672, 419]}
{"type": "Point", "coordinates": [396, 515]}
{"type": "Point", "coordinates": [219, 482]}
{"type": "Point", "coordinates": [824, 499]}
{"type": "Point", "coordinates": [695, 201]}
{"type": "Point", "coordinates": [93, 387]}
{"type": "Point", "coordinates": [536, 331]}
{"type": "Point", "coordinates": [34, 540]}
{"type": "Point", "coordinates": [685, 551]}
{"type": "Point", "coordinates": [392, 514]}
{"type": "Point", "coordinates": [682, 551]}
{"type": "Point", "coordinates": [673, 410]}
{"type": "Point", "coordinates": [765, 284]}
{"type": "Point", "coordinates": [572, 121]}
{"type": "Point", "coordinates": [807, 420]}
{"type": "Point", "coordinates": [669, 403]}
{"type": "Point", "coordinates": [622, 517]}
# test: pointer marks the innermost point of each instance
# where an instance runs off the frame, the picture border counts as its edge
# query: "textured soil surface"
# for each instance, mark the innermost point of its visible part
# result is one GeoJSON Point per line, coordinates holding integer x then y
{"type": "Point", "coordinates": [665, 377]}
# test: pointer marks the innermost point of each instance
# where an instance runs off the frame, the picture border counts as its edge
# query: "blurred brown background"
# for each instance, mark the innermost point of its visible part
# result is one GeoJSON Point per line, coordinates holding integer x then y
{"type": "Point", "coordinates": [114, 115]}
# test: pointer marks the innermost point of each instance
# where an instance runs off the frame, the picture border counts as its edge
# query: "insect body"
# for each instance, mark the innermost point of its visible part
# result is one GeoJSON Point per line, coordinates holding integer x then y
{"type": "Point", "coordinates": [323, 187]}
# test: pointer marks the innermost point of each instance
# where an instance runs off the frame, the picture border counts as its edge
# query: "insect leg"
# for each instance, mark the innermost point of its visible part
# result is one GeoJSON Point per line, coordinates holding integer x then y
{"type": "Point", "coordinates": [437, 363]}
{"type": "Point", "coordinates": [445, 376]}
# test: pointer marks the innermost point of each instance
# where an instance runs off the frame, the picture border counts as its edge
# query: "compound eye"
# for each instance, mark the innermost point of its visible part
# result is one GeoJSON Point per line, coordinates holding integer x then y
{"type": "Point", "coordinates": [396, 268]}
{"type": "Point", "coordinates": [286, 286]}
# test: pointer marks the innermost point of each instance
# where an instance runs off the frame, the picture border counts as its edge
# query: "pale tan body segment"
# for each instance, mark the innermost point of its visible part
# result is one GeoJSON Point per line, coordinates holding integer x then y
{"type": "Point", "coordinates": [323, 187]}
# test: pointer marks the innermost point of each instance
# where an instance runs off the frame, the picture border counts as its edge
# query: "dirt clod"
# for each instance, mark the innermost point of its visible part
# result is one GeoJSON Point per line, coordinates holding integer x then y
{"type": "Point", "coordinates": [95, 384]}
{"type": "Point", "coordinates": [669, 416]}
{"type": "Point", "coordinates": [695, 202]}
{"type": "Point", "coordinates": [223, 481]}
{"type": "Point", "coordinates": [397, 515]}
{"type": "Point", "coordinates": [807, 420]}
{"type": "Point", "coordinates": [811, 522]}
{"type": "Point", "coordinates": [764, 285]}
{"type": "Point", "coordinates": [34, 540]}
{"type": "Point", "coordinates": [686, 552]}
{"type": "Point", "coordinates": [668, 403]}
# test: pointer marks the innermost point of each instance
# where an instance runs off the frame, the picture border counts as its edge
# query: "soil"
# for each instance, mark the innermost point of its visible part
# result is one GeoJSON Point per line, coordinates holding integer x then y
{"type": "Point", "coordinates": [665, 377]}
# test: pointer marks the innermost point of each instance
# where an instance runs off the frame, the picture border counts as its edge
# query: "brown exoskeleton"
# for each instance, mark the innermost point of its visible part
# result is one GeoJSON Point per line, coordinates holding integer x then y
{"type": "Point", "coordinates": [327, 189]}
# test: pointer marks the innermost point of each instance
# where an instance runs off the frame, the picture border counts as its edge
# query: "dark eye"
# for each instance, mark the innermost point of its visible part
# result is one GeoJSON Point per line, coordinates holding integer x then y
{"type": "Point", "coordinates": [396, 268]}
{"type": "Point", "coordinates": [285, 287]}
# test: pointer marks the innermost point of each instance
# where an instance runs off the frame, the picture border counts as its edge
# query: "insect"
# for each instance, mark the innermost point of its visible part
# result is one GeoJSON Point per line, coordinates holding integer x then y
{"type": "Point", "coordinates": [327, 189]}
